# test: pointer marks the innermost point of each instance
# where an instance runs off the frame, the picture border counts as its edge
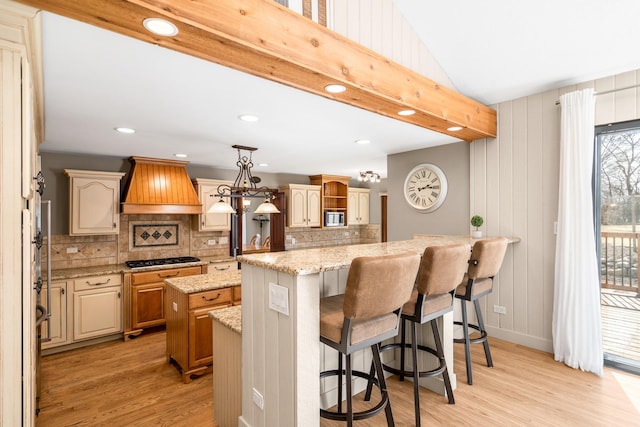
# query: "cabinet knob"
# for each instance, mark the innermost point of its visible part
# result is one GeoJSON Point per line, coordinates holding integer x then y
{"type": "Point", "coordinates": [114, 225]}
{"type": "Point", "coordinates": [118, 294]}
{"type": "Point", "coordinates": [62, 291]}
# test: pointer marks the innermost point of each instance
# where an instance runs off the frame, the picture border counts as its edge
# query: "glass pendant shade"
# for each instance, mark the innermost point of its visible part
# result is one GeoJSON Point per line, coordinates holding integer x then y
{"type": "Point", "coordinates": [267, 208]}
{"type": "Point", "coordinates": [221, 207]}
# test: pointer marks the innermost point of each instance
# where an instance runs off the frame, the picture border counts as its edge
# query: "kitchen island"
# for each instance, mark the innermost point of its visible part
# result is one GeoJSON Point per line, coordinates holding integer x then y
{"type": "Point", "coordinates": [187, 305]}
{"type": "Point", "coordinates": [282, 355]}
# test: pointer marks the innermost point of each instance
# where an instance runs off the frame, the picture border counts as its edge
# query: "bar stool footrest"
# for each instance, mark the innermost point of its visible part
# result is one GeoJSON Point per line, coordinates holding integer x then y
{"type": "Point", "coordinates": [409, 374]}
{"type": "Point", "coordinates": [481, 338]}
{"type": "Point", "coordinates": [362, 415]}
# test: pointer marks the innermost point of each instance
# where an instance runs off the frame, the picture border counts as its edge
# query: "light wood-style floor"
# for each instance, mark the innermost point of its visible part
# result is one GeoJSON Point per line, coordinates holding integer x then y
{"type": "Point", "coordinates": [131, 383]}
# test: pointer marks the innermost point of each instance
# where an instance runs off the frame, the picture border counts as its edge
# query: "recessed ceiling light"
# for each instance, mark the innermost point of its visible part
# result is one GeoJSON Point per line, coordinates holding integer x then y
{"type": "Point", "coordinates": [264, 165]}
{"type": "Point", "coordinates": [159, 26]}
{"type": "Point", "coordinates": [248, 118]}
{"type": "Point", "coordinates": [125, 130]}
{"type": "Point", "coordinates": [181, 155]}
{"type": "Point", "coordinates": [362, 141]}
{"type": "Point", "coordinates": [406, 112]}
{"type": "Point", "coordinates": [454, 128]}
{"type": "Point", "coordinates": [335, 88]}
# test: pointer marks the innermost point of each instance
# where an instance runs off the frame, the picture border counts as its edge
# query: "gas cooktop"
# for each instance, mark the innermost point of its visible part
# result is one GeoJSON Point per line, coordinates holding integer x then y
{"type": "Point", "coordinates": [160, 261]}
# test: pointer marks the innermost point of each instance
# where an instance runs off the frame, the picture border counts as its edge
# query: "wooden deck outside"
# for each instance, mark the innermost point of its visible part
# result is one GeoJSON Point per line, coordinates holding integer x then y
{"type": "Point", "coordinates": [621, 324]}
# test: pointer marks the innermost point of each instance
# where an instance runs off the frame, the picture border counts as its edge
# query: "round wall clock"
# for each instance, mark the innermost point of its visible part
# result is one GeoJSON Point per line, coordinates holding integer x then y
{"type": "Point", "coordinates": [425, 187]}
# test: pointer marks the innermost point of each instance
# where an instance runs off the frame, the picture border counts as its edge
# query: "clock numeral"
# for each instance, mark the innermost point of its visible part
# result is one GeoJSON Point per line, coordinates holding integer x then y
{"type": "Point", "coordinates": [424, 202]}
{"type": "Point", "coordinates": [434, 194]}
{"type": "Point", "coordinates": [435, 187]}
{"type": "Point", "coordinates": [424, 174]}
{"type": "Point", "coordinates": [434, 179]}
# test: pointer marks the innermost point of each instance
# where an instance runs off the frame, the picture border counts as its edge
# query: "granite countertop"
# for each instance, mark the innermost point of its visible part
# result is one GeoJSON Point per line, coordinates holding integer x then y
{"type": "Point", "coordinates": [311, 261]}
{"type": "Point", "coordinates": [205, 282]}
{"type": "Point", "coordinates": [231, 317]}
{"type": "Point", "coordinates": [99, 270]}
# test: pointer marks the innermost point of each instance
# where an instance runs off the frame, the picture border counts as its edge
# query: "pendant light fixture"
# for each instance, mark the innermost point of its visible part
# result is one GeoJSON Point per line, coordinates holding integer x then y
{"type": "Point", "coordinates": [244, 187]}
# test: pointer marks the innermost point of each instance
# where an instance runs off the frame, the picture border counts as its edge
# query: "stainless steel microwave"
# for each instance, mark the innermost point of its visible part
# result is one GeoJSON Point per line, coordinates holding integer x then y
{"type": "Point", "coordinates": [333, 219]}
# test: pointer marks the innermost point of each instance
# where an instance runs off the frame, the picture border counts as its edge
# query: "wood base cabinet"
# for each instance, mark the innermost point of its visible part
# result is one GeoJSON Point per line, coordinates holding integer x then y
{"type": "Point", "coordinates": [189, 328]}
{"type": "Point", "coordinates": [147, 294]}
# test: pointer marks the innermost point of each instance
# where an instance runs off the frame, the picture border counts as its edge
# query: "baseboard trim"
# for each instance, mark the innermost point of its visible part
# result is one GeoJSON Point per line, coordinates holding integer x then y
{"type": "Point", "coordinates": [522, 339]}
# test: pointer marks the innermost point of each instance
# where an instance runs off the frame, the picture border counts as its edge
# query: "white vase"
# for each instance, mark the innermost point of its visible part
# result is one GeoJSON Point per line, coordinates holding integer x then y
{"type": "Point", "coordinates": [476, 234]}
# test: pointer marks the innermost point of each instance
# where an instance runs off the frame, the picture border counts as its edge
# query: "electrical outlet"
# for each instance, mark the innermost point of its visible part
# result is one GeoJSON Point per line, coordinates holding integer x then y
{"type": "Point", "coordinates": [175, 306]}
{"type": "Point", "coordinates": [258, 399]}
{"type": "Point", "coordinates": [499, 309]}
{"type": "Point", "coordinates": [293, 241]}
{"type": "Point", "coordinates": [72, 250]}
{"type": "Point", "coordinates": [223, 240]}
{"type": "Point", "coordinates": [211, 242]}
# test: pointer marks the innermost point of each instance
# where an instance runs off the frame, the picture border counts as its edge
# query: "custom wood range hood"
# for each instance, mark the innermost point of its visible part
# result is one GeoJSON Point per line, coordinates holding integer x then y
{"type": "Point", "coordinates": [157, 186]}
{"type": "Point", "coordinates": [268, 40]}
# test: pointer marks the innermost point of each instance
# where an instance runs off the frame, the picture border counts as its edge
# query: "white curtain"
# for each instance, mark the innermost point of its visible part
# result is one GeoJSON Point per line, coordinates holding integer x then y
{"type": "Point", "coordinates": [577, 339]}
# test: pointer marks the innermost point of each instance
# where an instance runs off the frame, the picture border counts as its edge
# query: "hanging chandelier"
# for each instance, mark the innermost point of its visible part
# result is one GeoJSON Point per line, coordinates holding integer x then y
{"type": "Point", "coordinates": [244, 187]}
{"type": "Point", "coordinates": [369, 176]}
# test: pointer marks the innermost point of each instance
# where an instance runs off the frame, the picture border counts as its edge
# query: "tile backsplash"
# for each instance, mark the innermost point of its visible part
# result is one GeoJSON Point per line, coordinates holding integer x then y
{"type": "Point", "coordinates": [85, 251]}
{"type": "Point", "coordinates": [176, 234]}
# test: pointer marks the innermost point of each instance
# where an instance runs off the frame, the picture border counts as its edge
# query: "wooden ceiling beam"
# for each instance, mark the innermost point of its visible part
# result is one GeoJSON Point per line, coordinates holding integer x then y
{"type": "Point", "coordinates": [265, 39]}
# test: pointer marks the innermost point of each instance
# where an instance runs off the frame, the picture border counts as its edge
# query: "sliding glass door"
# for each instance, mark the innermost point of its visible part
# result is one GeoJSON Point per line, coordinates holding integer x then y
{"type": "Point", "coordinates": [617, 212]}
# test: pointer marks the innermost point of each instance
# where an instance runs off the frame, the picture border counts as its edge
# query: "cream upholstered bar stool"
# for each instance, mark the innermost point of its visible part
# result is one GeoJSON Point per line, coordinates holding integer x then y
{"type": "Point", "coordinates": [486, 260]}
{"type": "Point", "coordinates": [367, 314]}
{"type": "Point", "coordinates": [441, 270]}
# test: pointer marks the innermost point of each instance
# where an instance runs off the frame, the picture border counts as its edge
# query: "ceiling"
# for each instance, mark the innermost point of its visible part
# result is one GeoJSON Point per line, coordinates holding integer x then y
{"type": "Point", "coordinates": [96, 80]}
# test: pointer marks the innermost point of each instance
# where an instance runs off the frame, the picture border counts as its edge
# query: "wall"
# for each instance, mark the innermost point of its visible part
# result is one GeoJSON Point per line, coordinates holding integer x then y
{"type": "Point", "coordinates": [514, 185]}
{"type": "Point", "coordinates": [450, 218]}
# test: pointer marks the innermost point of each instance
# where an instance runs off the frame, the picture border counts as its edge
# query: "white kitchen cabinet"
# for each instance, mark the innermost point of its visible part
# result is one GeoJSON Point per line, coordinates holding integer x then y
{"type": "Point", "coordinates": [94, 199]}
{"type": "Point", "coordinates": [58, 315]}
{"type": "Point", "coordinates": [207, 190]}
{"type": "Point", "coordinates": [303, 205]}
{"type": "Point", "coordinates": [97, 306]}
{"type": "Point", "coordinates": [358, 206]}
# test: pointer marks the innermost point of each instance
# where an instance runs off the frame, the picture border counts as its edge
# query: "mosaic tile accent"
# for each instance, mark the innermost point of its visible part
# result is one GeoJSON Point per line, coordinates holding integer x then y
{"type": "Point", "coordinates": [155, 235]}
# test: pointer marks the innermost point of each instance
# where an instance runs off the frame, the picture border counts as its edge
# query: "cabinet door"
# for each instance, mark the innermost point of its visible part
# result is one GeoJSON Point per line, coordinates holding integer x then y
{"type": "Point", "coordinates": [97, 312]}
{"type": "Point", "coordinates": [363, 207]}
{"type": "Point", "coordinates": [147, 305]}
{"type": "Point", "coordinates": [297, 213]}
{"type": "Point", "coordinates": [352, 207]}
{"type": "Point", "coordinates": [94, 206]}
{"type": "Point", "coordinates": [58, 312]}
{"type": "Point", "coordinates": [313, 208]}
{"type": "Point", "coordinates": [200, 337]}
{"type": "Point", "coordinates": [211, 221]}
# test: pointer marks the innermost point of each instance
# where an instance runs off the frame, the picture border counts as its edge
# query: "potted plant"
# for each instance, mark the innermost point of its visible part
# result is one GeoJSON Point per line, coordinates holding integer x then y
{"type": "Point", "coordinates": [477, 221]}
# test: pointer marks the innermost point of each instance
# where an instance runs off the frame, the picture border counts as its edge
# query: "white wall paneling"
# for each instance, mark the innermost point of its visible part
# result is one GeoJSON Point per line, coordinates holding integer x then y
{"type": "Point", "coordinates": [379, 26]}
{"type": "Point", "coordinates": [514, 185]}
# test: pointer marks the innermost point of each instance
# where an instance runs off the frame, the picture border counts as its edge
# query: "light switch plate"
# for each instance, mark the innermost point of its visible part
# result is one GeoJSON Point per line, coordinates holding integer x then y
{"type": "Point", "coordinates": [223, 240]}
{"type": "Point", "coordinates": [279, 298]}
{"type": "Point", "coordinates": [72, 250]}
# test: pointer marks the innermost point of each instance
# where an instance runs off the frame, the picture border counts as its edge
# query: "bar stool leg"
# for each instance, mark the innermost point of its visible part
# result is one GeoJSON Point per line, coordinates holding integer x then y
{"type": "Point", "coordinates": [467, 343]}
{"type": "Point", "coordinates": [349, 400]}
{"type": "Point", "coordinates": [403, 341]}
{"type": "Point", "coordinates": [483, 333]}
{"type": "Point", "coordinates": [443, 362]}
{"type": "Point", "coordinates": [375, 349]}
{"type": "Point", "coordinates": [416, 372]}
{"type": "Point", "coordinates": [340, 383]}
